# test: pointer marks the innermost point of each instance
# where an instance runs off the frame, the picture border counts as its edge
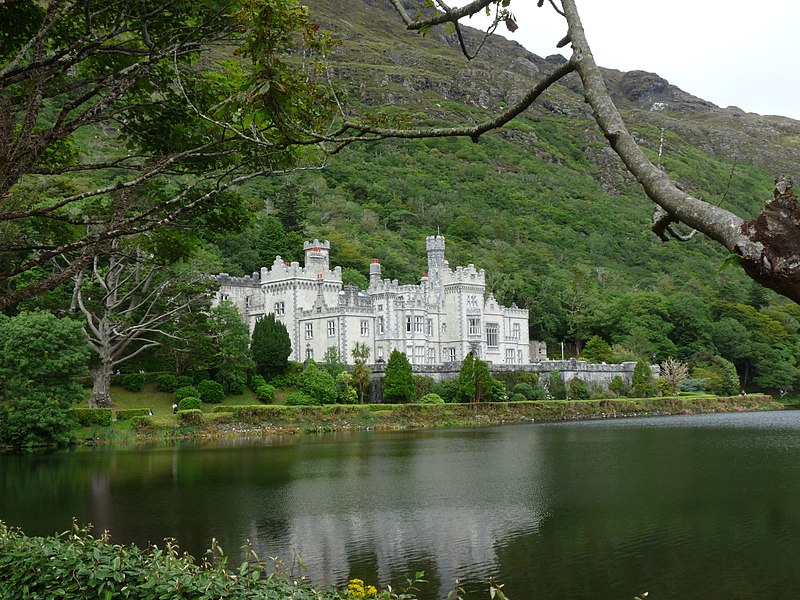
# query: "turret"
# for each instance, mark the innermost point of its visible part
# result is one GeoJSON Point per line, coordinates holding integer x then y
{"type": "Point", "coordinates": [317, 255]}
{"type": "Point", "coordinates": [374, 272]}
{"type": "Point", "coordinates": [434, 244]}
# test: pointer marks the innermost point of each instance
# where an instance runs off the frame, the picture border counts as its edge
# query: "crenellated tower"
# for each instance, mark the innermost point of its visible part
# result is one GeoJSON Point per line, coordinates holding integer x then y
{"type": "Point", "coordinates": [434, 245]}
{"type": "Point", "coordinates": [317, 256]}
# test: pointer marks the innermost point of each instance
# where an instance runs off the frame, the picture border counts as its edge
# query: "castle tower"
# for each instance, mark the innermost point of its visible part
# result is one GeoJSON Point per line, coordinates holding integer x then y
{"type": "Point", "coordinates": [434, 244]}
{"type": "Point", "coordinates": [374, 272]}
{"type": "Point", "coordinates": [317, 256]}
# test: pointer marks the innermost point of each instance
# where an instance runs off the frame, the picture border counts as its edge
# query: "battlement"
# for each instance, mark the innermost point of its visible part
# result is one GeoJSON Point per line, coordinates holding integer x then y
{"type": "Point", "coordinates": [434, 242]}
{"type": "Point", "coordinates": [468, 274]}
{"type": "Point", "coordinates": [282, 271]}
{"type": "Point", "coordinates": [246, 281]}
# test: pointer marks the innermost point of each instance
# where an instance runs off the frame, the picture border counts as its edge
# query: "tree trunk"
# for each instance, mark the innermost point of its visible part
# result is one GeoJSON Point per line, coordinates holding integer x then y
{"type": "Point", "coordinates": [101, 384]}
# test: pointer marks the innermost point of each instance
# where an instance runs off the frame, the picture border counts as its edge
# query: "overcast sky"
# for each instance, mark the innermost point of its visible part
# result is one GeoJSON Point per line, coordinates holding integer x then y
{"type": "Point", "coordinates": [730, 52]}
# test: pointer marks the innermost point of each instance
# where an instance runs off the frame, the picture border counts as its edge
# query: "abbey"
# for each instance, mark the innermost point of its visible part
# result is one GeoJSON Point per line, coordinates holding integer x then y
{"type": "Point", "coordinates": [436, 322]}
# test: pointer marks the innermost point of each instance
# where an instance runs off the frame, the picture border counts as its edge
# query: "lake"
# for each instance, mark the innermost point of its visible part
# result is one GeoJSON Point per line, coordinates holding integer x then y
{"type": "Point", "coordinates": [704, 506]}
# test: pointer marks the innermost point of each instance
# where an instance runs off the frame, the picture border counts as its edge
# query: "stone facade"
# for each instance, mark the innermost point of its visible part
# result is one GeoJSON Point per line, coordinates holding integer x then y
{"type": "Point", "coordinates": [436, 322]}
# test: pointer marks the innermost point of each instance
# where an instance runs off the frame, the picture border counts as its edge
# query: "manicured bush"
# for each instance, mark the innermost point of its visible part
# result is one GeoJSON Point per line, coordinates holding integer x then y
{"type": "Point", "coordinates": [286, 381]}
{"type": "Point", "coordinates": [579, 389]}
{"type": "Point", "coordinates": [432, 399]}
{"type": "Point", "coordinates": [518, 398]}
{"type": "Point", "coordinates": [133, 382]}
{"type": "Point", "coordinates": [183, 381]}
{"type": "Point", "coordinates": [526, 389]}
{"type": "Point", "coordinates": [190, 416]}
{"type": "Point", "coordinates": [166, 383]}
{"type": "Point", "coordinates": [124, 415]}
{"type": "Point", "coordinates": [256, 381]}
{"type": "Point", "coordinates": [93, 416]}
{"type": "Point", "coordinates": [301, 399]}
{"type": "Point", "coordinates": [186, 392]}
{"type": "Point", "coordinates": [693, 385]}
{"type": "Point", "coordinates": [141, 423]}
{"type": "Point", "coordinates": [265, 393]}
{"type": "Point", "coordinates": [189, 403]}
{"type": "Point", "coordinates": [211, 392]}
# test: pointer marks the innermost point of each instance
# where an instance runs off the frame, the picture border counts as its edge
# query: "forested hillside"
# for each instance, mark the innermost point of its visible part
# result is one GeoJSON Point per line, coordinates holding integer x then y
{"type": "Point", "coordinates": [543, 204]}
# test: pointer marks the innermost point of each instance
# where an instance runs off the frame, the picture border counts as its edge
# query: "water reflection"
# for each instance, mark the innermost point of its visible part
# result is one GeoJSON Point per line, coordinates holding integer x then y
{"type": "Point", "coordinates": [685, 507]}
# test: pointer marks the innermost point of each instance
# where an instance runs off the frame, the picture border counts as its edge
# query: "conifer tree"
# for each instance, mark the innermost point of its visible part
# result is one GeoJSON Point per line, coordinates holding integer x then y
{"type": "Point", "coordinates": [270, 346]}
{"type": "Point", "coordinates": [398, 383]}
{"type": "Point", "coordinates": [474, 380]}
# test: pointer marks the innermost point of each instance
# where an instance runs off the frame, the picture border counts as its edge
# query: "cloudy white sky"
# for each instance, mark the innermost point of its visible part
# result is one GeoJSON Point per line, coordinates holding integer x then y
{"type": "Point", "coordinates": [731, 52]}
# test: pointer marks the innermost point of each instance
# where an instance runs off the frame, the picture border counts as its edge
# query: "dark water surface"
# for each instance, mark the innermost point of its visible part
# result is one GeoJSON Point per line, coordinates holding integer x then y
{"type": "Point", "coordinates": [682, 507]}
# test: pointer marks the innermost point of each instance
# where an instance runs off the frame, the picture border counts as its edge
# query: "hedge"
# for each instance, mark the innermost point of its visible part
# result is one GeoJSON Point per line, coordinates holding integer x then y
{"type": "Point", "coordinates": [190, 417]}
{"type": "Point", "coordinates": [186, 391]}
{"type": "Point", "coordinates": [93, 416]}
{"type": "Point", "coordinates": [124, 415]}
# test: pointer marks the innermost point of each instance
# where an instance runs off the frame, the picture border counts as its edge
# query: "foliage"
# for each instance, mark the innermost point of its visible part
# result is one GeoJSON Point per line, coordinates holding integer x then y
{"type": "Point", "coordinates": [256, 381]}
{"type": "Point", "coordinates": [345, 392]}
{"type": "Point", "coordinates": [35, 419]}
{"type": "Point", "coordinates": [398, 382]}
{"type": "Point", "coordinates": [124, 415]}
{"type": "Point", "coordinates": [332, 361]}
{"type": "Point", "coordinates": [642, 380]}
{"type": "Point", "coordinates": [233, 381]}
{"type": "Point", "coordinates": [318, 384]}
{"type": "Point", "coordinates": [232, 359]}
{"type": "Point", "coordinates": [618, 386]}
{"type": "Point", "coordinates": [189, 403]}
{"type": "Point", "coordinates": [211, 392]}
{"type": "Point", "coordinates": [474, 380]}
{"type": "Point", "coordinates": [432, 399]}
{"type": "Point", "coordinates": [693, 385]}
{"type": "Point", "coordinates": [166, 382]}
{"type": "Point", "coordinates": [79, 565]}
{"type": "Point", "coordinates": [556, 388]}
{"type": "Point", "coordinates": [447, 389]}
{"type": "Point", "coordinates": [597, 350]}
{"type": "Point", "coordinates": [361, 373]}
{"type": "Point", "coordinates": [186, 392]}
{"type": "Point", "coordinates": [270, 346]}
{"type": "Point", "coordinates": [183, 381]}
{"type": "Point", "coordinates": [190, 415]}
{"type": "Point", "coordinates": [672, 373]}
{"type": "Point", "coordinates": [301, 399]}
{"type": "Point", "coordinates": [518, 398]}
{"type": "Point", "coordinates": [265, 393]}
{"type": "Point", "coordinates": [578, 389]}
{"type": "Point", "coordinates": [525, 389]}
{"type": "Point", "coordinates": [93, 416]}
{"type": "Point", "coordinates": [133, 382]}
{"type": "Point", "coordinates": [720, 374]}
{"type": "Point", "coordinates": [423, 385]}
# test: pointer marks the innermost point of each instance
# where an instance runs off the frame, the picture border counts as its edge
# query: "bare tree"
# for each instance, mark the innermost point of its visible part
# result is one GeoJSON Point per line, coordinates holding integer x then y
{"type": "Point", "coordinates": [672, 373]}
{"type": "Point", "coordinates": [128, 303]}
{"type": "Point", "coordinates": [767, 247]}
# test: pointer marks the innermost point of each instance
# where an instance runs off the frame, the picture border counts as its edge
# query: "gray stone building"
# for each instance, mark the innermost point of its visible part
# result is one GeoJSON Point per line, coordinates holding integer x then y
{"type": "Point", "coordinates": [435, 322]}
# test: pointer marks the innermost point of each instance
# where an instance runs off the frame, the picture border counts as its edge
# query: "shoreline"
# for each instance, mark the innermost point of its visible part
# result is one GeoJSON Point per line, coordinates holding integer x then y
{"type": "Point", "coordinates": [265, 420]}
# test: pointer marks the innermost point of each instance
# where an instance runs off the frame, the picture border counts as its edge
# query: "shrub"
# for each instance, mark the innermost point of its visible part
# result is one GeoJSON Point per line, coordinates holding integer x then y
{"type": "Point", "coordinates": [186, 392]}
{"type": "Point", "coordinates": [448, 390]}
{"type": "Point", "coordinates": [133, 382]}
{"type": "Point", "coordinates": [198, 376]}
{"type": "Point", "coordinates": [432, 399]}
{"type": "Point", "coordinates": [424, 385]}
{"type": "Point", "coordinates": [265, 393]}
{"type": "Point", "coordinates": [124, 415]}
{"type": "Point", "coordinates": [234, 381]}
{"type": "Point", "coordinates": [346, 393]}
{"type": "Point", "coordinates": [35, 420]}
{"type": "Point", "coordinates": [300, 399]}
{"type": "Point", "coordinates": [579, 389]}
{"type": "Point", "coordinates": [93, 416]}
{"type": "Point", "coordinates": [526, 389]}
{"type": "Point", "coordinates": [693, 385]}
{"type": "Point", "coordinates": [189, 403]}
{"type": "Point", "coordinates": [287, 380]}
{"type": "Point", "coordinates": [318, 384]}
{"type": "Point", "coordinates": [183, 381]}
{"type": "Point", "coordinates": [256, 381]}
{"type": "Point", "coordinates": [618, 386]}
{"type": "Point", "coordinates": [141, 423]}
{"type": "Point", "coordinates": [211, 392]}
{"type": "Point", "coordinates": [190, 416]}
{"type": "Point", "coordinates": [166, 383]}
{"type": "Point", "coordinates": [518, 398]}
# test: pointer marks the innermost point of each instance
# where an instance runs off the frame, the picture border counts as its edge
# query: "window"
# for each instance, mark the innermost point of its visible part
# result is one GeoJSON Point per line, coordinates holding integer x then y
{"type": "Point", "coordinates": [380, 324]}
{"type": "Point", "coordinates": [247, 301]}
{"type": "Point", "coordinates": [519, 357]}
{"type": "Point", "coordinates": [309, 331]}
{"type": "Point", "coordinates": [419, 324]}
{"type": "Point", "coordinates": [472, 301]}
{"type": "Point", "coordinates": [451, 354]}
{"type": "Point", "coordinates": [408, 324]}
{"type": "Point", "coordinates": [279, 309]}
{"type": "Point", "coordinates": [309, 353]}
{"type": "Point", "coordinates": [380, 307]}
{"type": "Point", "coordinates": [331, 328]}
{"type": "Point", "coordinates": [515, 331]}
{"type": "Point", "coordinates": [474, 327]}
{"type": "Point", "coordinates": [429, 328]}
{"type": "Point", "coordinates": [431, 356]}
{"type": "Point", "coordinates": [510, 357]}
{"type": "Point", "coordinates": [419, 355]}
{"type": "Point", "coordinates": [492, 335]}
{"type": "Point", "coordinates": [364, 327]}
{"type": "Point", "coordinates": [223, 297]}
